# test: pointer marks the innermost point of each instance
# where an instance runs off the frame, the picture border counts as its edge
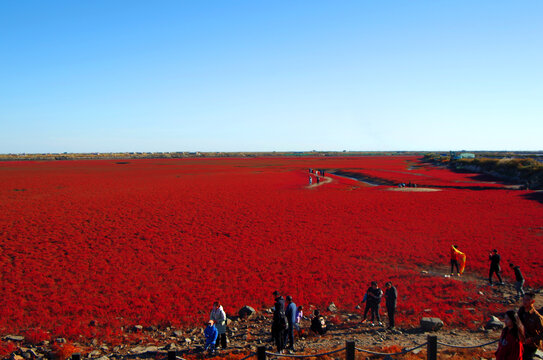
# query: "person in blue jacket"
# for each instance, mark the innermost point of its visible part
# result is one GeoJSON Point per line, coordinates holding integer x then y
{"type": "Point", "coordinates": [211, 334]}
{"type": "Point", "coordinates": [290, 312]}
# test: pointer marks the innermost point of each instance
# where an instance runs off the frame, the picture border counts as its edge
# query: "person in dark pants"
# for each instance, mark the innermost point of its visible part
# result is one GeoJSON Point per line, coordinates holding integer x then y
{"type": "Point", "coordinates": [455, 260]}
{"type": "Point", "coordinates": [366, 308]}
{"type": "Point", "coordinates": [533, 326]}
{"type": "Point", "coordinates": [374, 299]}
{"type": "Point", "coordinates": [279, 323]}
{"type": "Point", "coordinates": [318, 323]}
{"type": "Point", "coordinates": [519, 280]}
{"type": "Point", "coordinates": [290, 312]}
{"type": "Point", "coordinates": [219, 318]}
{"type": "Point", "coordinates": [494, 266]}
{"type": "Point", "coordinates": [391, 296]}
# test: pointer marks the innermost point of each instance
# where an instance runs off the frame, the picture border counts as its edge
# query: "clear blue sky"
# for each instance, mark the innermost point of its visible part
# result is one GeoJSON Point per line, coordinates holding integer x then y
{"type": "Point", "coordinates": [86, 76]}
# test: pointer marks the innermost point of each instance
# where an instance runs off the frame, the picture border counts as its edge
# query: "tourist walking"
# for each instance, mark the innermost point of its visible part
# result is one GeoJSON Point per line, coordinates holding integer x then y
{"type": "Point", "coordinates": [279, 323]}
{"type": "Point", "coordinates": [510, 343]}
{"type": "Point", "coordinates": [290, 312]}
{"type": "Point", "coordinates": [219, 318]}
{"type": "Point", "coordinates": [495, 268]}
{"type": "Point", "coordinates": [391, 296]}
{"type": "Point", "coordinates": [519, 280]}
{"type": "Point", "coordinates": [533, 326]}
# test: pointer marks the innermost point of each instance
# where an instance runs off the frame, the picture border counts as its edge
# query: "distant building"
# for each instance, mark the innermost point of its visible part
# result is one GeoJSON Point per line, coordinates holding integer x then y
{"type": "Point", "coordinates": [462, 155]}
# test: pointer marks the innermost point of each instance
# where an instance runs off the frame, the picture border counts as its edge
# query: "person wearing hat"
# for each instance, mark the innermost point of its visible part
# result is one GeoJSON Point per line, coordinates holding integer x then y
{"type": "Point", "coordinates": [210, 334]}
{"type": "Point", "coordinates": [279, 324]}
{"type": "Point", "coordinates": [494, 266]}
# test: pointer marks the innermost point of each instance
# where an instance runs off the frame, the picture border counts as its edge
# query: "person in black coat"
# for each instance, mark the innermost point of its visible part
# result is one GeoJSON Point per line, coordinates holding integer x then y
{"type": "Point", "coordinates": [519, 280]}
{"type": "Point", "coordinates": [391, 296]}
{"type": "Point", "coordinates": [279, 324]}
{"type": "Point", "coordinates": [318, 323]}
{"type": "Point", "coordinates": [494, 266]}
{"type": "Point", "coordinates": [374, 296]}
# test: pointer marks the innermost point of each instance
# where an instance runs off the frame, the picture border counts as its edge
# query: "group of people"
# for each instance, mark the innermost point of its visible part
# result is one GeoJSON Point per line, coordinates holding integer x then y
{"type": "Point", "coordinates": [317, 173]}
{"type": "Point", "coordinates": [373, 297]}
{"type": "Point", "coordinates": [216, 328]}
{"type": "Point", "coordinates": [495, 268]}
{"type": "Point", "coordinates": [458, 262]}
{"type": "Point", "coordinates": [523, 332]}
{"type": "Point", "coordinates": [409, 184]}
{"type": "Point", "coordinates": [286, 318]}
{"type": "Point", "coordinates": [519, 340]}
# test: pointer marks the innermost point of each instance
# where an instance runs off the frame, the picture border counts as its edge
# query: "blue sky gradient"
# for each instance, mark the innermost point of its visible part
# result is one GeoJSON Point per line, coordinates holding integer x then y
{"type": "Point", "coordinates": [112, 76]}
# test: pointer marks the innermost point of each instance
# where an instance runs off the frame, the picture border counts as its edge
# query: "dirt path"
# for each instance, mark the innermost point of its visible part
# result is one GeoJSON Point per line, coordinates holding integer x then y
{"type": "Point", "coordinates": [323, 180]}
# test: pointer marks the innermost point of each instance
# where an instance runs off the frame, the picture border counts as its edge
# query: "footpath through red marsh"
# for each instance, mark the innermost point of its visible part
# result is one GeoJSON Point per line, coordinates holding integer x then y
{"type": "Point", "coordinates": [155, 242]}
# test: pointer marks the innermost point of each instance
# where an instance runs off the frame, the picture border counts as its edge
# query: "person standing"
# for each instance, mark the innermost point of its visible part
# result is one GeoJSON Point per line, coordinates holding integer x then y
{"type": "Point", "coordinates": [533, 326]}
{"type": "Point", "coordinates": [391, 296]}
{"type": "Point", "coordinates": [510, 343]}
{"type": "Point", "coordinates": [367, 307]}
{"type": "Point", "coordinates": [279, 324]}
{"type": "Point", "coordinates": [495, 268]}
{"type": "Point", "coordinates": [290, 312]}
{"type": "Point", "coordinates": [299, 317]}
{"type": "Point", "coordinates": [519, 280]}
{"type": "Point", "coordinates": [458, 260]}
{"type": "Point", "coordinates": [374, 299]}
{"type": "Point", "coordinates": [219, 317]}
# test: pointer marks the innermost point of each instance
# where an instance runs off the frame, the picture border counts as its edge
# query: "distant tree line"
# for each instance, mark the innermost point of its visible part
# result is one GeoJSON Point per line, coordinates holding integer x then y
{"type": "Point", "coordinates": [526, 169]}
{"type": "Point", "coordinates": [195, 154]}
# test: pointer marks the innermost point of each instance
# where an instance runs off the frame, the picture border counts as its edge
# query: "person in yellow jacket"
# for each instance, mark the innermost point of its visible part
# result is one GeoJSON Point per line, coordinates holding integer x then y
{"type": "Point", "coordinates": [458, 260]}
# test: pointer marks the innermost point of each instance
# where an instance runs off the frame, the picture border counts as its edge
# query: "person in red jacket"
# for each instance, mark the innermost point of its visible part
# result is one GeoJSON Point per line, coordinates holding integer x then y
{"type": "Point", "coordinates": [510, 344]}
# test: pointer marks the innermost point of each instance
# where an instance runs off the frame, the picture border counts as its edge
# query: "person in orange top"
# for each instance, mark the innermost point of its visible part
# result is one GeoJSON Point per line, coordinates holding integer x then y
{"type": "Point", "coordinates": [458, 260]}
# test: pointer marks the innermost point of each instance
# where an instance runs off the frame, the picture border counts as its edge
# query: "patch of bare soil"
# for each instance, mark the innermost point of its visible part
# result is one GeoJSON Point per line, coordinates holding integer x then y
{"type": "Point", "coordinates": [412, 189]}
{"type": "Point", "coordinates": [322, 180]}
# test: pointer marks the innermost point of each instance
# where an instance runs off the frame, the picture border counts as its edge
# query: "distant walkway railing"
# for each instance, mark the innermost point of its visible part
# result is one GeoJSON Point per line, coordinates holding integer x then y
{"type": "Point", "coordinates": [350, 351]}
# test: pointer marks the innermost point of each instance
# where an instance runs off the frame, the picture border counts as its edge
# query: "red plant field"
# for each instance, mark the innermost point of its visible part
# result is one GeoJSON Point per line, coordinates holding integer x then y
{"type": "Point", "coordinates": [157, 241]}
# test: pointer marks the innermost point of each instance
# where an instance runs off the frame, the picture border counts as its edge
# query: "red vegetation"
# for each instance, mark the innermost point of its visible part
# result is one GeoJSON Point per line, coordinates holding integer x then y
{"type": "Point", "coordinates": [155, 242]}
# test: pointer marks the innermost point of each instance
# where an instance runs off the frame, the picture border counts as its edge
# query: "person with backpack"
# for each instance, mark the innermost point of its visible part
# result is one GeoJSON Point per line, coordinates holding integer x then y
{"type": "Point", "coordinates": [279, 323]}
{"type": "Point", "coordinates": [318, 323]}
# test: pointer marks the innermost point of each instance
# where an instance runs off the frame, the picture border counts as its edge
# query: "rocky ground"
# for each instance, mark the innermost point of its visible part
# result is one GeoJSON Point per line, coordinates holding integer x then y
{"type": "Point", "coordinates": [245, 334]}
